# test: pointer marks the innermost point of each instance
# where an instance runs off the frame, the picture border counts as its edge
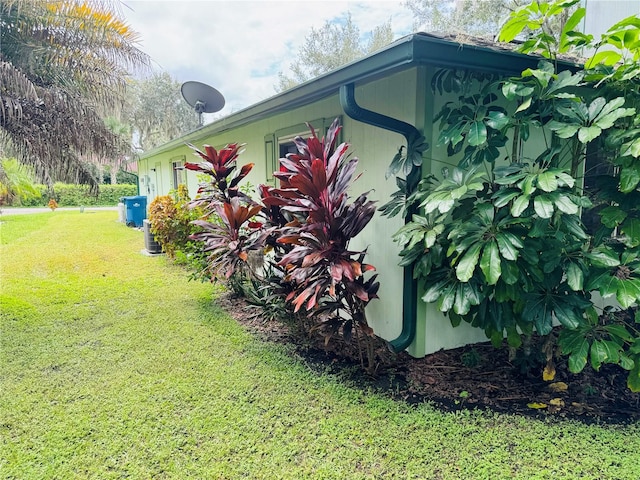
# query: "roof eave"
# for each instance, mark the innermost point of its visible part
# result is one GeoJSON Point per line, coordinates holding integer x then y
{"type": "Point", "coordinates": [407, 52]}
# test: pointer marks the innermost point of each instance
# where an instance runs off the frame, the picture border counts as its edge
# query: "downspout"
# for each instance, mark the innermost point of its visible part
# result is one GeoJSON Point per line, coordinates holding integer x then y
{"type": "Point", "coordinates": [409, 286]}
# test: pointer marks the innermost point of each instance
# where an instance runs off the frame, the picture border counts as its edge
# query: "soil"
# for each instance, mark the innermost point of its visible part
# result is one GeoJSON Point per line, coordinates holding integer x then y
{"type": "Point", "coordinates": [477, 376]}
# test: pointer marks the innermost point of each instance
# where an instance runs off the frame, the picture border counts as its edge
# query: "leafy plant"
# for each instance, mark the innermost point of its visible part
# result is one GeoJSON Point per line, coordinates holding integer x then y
{"type": "Point", "coordinates": [171, 223]}
{"type": "Point", "coordinates": [534, 19]}
{"type": "Point", "coordinates": [501, 245]}
{"type": "Point", "coordinates": [219, 166]}
{"type": "Point", "coordinates": [603, 112]}
{"type": "Point", "coordinates": [327, 279]}
{"type": "Point", "coordinates": [228, 243]}
{"type": "Point", "coordinates": [16, 182]}
{"type": "Point", "coordinates": [476, 120]}
{"type": "Point", "coordinates": [227, 227]}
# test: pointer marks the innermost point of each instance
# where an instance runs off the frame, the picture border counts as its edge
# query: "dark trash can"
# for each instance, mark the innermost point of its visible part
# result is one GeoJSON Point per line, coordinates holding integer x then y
{"type": "Point", "coordinates": [135, 210]}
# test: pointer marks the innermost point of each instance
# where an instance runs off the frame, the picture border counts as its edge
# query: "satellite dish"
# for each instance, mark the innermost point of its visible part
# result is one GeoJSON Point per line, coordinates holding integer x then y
{"type": "Point", "coordinates": [202, 97]}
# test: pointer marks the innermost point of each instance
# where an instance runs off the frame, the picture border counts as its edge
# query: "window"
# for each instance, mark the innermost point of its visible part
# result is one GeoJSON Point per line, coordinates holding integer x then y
{"type": "Point", "coordinates": [279, 143]}
{"type": "Point", "coordinates": [177, 168]}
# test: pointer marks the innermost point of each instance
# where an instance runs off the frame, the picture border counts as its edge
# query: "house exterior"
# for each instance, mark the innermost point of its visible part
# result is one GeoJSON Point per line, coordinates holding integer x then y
{"type": "Point", "coordinates": [380, 101]}
{"type": "Point", "coordinates": [602, 14]}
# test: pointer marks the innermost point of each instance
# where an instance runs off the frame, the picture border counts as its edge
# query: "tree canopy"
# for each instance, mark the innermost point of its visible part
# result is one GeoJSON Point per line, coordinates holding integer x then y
{"type": "Point", "coordinates": [156, 111]}
{"type": "Point", "coordinates": [330, 47]}
{"type": "Point", "coordinates": [63, 67]}
{"type": "Point", "coordinates": [473, 17]}
{"type": "Point", "coordinates": [462, 16]}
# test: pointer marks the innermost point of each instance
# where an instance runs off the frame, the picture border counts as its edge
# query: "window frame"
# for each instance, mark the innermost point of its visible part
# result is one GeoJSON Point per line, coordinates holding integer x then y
{"type": "Point", "coordinates": [178, 175]}
{"type": "Point", "coordinates": [284, 136]}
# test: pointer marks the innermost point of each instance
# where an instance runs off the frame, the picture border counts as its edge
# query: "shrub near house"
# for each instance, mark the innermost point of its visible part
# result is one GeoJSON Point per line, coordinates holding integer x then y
{"type": "Point", "coordinates": [498, 242]}
{"type": "Point", "coordinates": [503, 247]}
{"type": "Point", "coordinates": [308, 220]}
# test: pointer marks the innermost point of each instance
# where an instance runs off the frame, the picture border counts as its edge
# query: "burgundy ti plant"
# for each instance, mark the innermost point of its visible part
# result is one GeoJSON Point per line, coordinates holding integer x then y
{"type": "Point", "coordinates": [228, 230]}
{"type": "Point", "coordinates": [327, 278]}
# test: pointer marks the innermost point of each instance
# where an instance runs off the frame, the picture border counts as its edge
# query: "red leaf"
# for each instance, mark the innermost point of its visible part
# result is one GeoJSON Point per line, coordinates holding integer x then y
{"type": "Point", "coordinates": [211, 153]}
{"type": "Point", "coordinates": [319, 175]}
{"type": "Point", "coordinates": [312, 259]}
{"type": "Point", "coordinates": [200, 167]}
{"type": "Point", "coordinates": [228, 154]}
{"type": "Point", "coordinates": [293, 239]}
{"type": "Point", "coordinates": [244, 171]}
{"type": "Point", "coordinates": [313, 300]}
{"type": "Point", "coordinates": [359, 292]}
{"type": "Point", "coordinates": [300, 299]}
{"type": "Point", "coordinates": [336, 272]}
{"type": "Point", "coordinates": [305, 186]}
{"type": "Point", "coordinates": [357, 270]}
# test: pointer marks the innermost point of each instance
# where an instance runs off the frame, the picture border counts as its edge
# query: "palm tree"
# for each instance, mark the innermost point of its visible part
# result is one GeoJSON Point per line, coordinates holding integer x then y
{"type": "Point", "coordinates": [16, 182]}
{"type": "Point", "coordinates": [63, 67]}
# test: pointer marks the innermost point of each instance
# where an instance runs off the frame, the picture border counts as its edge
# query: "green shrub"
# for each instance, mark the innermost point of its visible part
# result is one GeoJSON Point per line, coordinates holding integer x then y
{"type": "Point", "coordinates": [68, 195]}
{"type": "Point", "coordinates": [503, 247]}
{"type": "Point", "coordinates": [171, 225]}
{"type": "Point", "coordinates": [38, 199]}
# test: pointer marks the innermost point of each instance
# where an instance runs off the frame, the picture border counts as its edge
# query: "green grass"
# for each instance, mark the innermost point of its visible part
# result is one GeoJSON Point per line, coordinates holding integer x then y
{"type": "Point", "coordinates": [113, 365]}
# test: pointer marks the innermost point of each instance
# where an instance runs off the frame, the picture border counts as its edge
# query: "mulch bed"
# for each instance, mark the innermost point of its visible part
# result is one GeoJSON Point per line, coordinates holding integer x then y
{"type": "Point", "coordinates": [478, 376]}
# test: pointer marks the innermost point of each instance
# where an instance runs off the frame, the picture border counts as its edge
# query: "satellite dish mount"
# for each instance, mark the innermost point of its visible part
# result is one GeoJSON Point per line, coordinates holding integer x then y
{"type": "Point", "coordinates": [203, 98]}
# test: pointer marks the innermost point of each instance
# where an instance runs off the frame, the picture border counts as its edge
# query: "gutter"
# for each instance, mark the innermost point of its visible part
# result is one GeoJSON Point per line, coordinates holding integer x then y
{"type": "Point", "coordinates": [409, 285]}
{"type": "Point", "coordinates": [410, 51]}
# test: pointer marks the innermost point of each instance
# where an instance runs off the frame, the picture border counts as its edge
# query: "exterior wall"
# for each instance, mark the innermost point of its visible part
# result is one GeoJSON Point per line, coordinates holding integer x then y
{"type": "Point", "coordinates": [406, 96]}
{"type": "Point", "coordinates": [603, 14]}
{"type": "Point", "coordinates": [393, 96]}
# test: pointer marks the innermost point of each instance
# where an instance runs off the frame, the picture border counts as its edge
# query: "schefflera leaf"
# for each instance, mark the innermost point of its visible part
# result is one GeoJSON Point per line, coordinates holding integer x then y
{"type": "Point", "coordinates": [490, 262]}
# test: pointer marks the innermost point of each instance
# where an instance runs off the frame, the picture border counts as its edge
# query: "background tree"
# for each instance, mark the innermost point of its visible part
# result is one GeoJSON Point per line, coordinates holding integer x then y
{"type": "Point", "coordinates": [156, 111]}
{"type": "Point", "coordinates": [63, 67]}
{"type": "Point", "coordinates": [330, 47]}
{"type": "Point", "coordinates": [462, 16]}
{"type": "Point", "coordinates": [16, 182]}
{"type": "Point", "coordinates": [473, 17]}
{"type": "Point", "coordinates": [118, 160]}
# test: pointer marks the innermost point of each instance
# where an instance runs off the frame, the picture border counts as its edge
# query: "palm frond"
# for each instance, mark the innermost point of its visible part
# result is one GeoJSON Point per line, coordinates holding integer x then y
{"type": "Point", "coordinates": [63, 66]}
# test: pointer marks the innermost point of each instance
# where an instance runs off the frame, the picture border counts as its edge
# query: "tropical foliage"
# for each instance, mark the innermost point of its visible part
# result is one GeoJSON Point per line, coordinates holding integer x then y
{"type": "Point", "coordinates": [304, 226]}
{"type": "Point", "coordinates": [501, 245]}
{"type": "Point", "coordinates": [63, 67]}
{"type": "Point", "coordinates": [170, 219]}
{"type": "Point", "coordinates": [16, 183]}
{"type": "Point", "coordinates": [227, 229]}
{"type": "Point", "coordinates": [327, 279]}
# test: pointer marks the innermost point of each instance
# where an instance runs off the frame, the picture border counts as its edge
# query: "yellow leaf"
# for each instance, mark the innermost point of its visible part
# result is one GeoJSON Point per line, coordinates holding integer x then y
{"type": "Point", "coordinates": [537, 405]}
{"type": "Point", "coordinates": [558, 387]}
{"type": "Point", "coordinates": [549, 372]}
{"type": "Point", "coordinates": [581, 407]}
{"type": "Point", "coordinates": [557, 402]}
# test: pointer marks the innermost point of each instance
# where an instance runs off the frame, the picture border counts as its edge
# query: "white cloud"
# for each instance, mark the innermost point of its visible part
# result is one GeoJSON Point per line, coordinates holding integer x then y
{"type": "Point", "coordinates": [240, 46]}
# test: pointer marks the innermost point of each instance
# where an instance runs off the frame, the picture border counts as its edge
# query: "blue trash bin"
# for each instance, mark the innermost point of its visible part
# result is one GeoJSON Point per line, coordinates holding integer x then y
{"type": "Point", "coordinates": [135, 210]}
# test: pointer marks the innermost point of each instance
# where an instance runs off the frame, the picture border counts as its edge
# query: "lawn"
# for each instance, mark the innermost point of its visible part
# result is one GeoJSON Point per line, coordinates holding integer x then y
{"type": "Point", "coordinates": [113, 365]}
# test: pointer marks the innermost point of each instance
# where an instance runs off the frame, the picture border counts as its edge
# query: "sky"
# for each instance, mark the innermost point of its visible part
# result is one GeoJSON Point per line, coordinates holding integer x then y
{"type": "Point", "coordinates": [239, 46]}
